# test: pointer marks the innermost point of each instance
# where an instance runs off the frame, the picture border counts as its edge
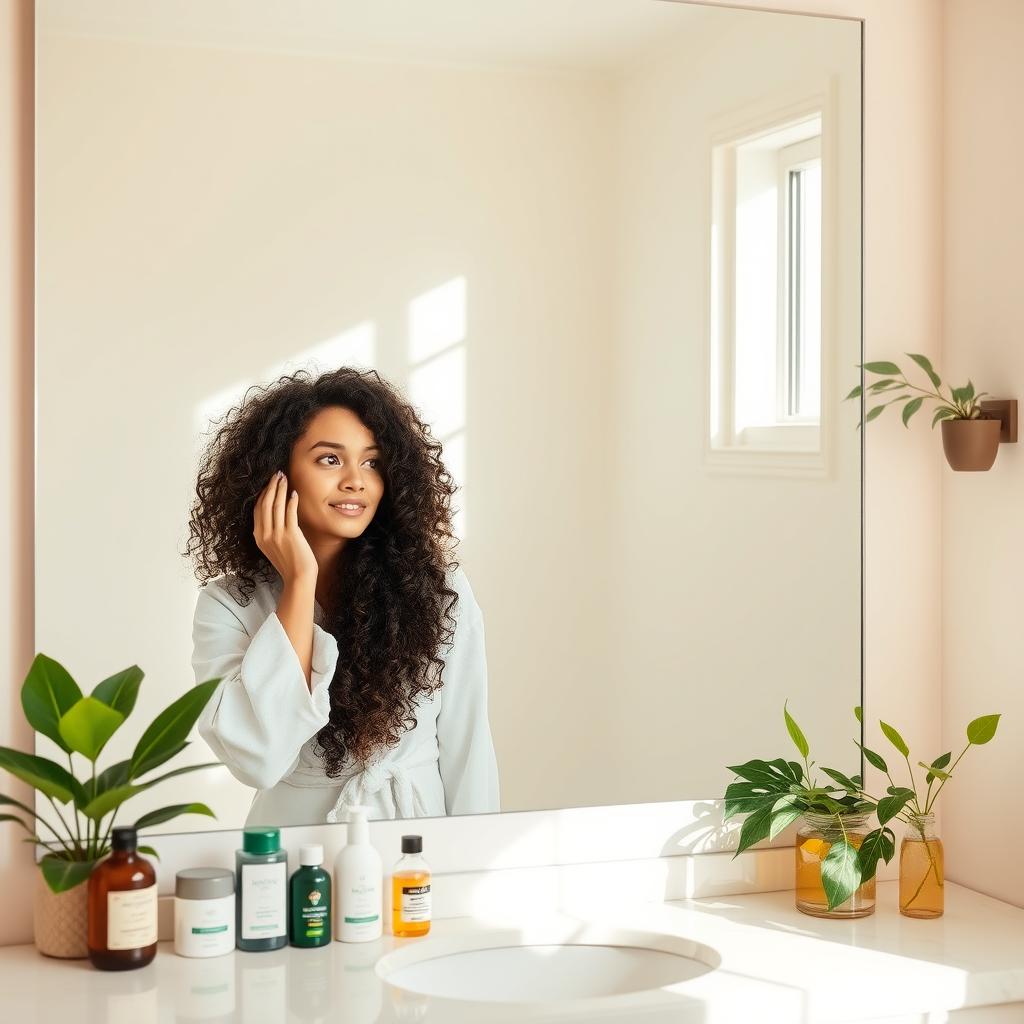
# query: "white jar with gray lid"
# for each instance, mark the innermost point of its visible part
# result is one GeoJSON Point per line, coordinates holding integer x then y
{"type": "Point", "coordinates": [204, 912]}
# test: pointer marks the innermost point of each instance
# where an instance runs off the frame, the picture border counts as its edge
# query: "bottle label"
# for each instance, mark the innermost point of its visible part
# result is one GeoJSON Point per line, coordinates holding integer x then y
{"type": "Point", "coordinates": [264, 900]}
{"type": "Point", "coordinates": [131, 918]}
{"type": "Point", "coordinates": [363, 903]}
{"type": "Point", "coordinates": [314, 913]}
{"type": "Point", "coordinates": [415, 903]}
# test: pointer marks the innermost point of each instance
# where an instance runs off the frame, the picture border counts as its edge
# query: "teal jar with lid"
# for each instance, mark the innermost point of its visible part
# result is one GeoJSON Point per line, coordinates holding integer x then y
{"type": "Point", "coordinates": [261, 903]}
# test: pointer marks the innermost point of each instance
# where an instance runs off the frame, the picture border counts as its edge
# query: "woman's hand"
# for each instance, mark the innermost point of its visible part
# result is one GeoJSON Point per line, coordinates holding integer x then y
{"type": "Point", "coordinates": [278, 534]}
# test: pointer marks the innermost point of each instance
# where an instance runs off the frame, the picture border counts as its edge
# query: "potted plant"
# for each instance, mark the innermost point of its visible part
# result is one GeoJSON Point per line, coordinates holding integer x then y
{"type": "Point", "coordinates": [970, 438]}
{"type": "Point", "coordinates": [836, 856]}
{"type": "Point", "coordinates": [922, 873]}
{"type": "Point", "coordinates": [56, 707]}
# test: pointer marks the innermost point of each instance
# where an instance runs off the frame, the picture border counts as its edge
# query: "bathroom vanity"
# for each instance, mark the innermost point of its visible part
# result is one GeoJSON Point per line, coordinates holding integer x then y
{"type": "Point", "coordinates": [736, 958]}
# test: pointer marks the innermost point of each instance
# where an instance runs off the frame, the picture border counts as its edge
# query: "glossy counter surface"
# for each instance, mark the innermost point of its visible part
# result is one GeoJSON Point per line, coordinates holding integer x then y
{"type": "Point", "coordinates": [776, 965]}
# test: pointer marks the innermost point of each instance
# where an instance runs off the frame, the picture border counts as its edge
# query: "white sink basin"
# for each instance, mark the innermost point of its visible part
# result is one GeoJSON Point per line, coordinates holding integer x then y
{"type": "Point", "coordinates": [546, 965]}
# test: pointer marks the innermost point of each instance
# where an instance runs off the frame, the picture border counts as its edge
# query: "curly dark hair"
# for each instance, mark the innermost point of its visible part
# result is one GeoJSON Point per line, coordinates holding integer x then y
{"type": "Point", "coordinates": [393, 610]}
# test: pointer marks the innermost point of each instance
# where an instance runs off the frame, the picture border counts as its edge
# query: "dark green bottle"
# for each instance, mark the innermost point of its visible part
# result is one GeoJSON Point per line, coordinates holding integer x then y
{"type": "Point", "coordinates": [309, 900]}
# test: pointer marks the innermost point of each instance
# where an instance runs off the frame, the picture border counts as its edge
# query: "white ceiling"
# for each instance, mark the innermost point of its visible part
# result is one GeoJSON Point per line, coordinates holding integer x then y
{"type": "Point", "coordinates": [591, 35]}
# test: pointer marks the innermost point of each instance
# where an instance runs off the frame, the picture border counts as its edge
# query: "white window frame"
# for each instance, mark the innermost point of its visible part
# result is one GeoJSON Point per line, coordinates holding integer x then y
{"type": "Point", "coordinates": [790, 447]}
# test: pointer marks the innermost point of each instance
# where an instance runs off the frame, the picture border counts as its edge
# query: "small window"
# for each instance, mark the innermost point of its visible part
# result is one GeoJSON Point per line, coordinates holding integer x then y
{"type": "Point", "coordinates": [766, 290]}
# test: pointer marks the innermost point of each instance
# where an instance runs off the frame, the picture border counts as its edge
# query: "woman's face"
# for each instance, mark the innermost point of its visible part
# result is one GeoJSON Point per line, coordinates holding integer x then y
{"type": "Point", "coordinates": [336, 463]}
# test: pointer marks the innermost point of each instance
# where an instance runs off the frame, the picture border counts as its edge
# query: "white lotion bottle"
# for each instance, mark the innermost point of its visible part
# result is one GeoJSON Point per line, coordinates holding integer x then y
{"type": "Point", "coordinates": [358, 884]}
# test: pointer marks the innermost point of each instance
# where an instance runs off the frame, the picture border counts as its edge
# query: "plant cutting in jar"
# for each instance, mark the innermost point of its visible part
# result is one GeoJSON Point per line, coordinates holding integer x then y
{"type": "Point", "coordinates": [774, 794]}
{"type": "Point", "coordinates": [914, 806]}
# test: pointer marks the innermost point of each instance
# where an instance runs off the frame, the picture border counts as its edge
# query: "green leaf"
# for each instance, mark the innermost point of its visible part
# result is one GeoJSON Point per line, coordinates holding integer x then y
{"type": "Point", "coordinates": [874, 413]}
{"type": "Point", "coordinates": [840, 873]}
{"type": "Point", "coordinates": [900, 791]}
{"type": "Point", "coordinates": [941, 762]}
{"type": "Point", "coordinates": [895, 738]}
{"type": "Point", "coordinates": [886, 385]}
{"type": "Point", "coordinates": [166, 813]}
{"type": "Point", "coordinates": [119, 774]}
{"type": "Point", "coordinates": [761, 771]}
{"type": "Point", "coordinates": [61, 875]}
{"type": "Point", "coordinates": [937, 773]}
{"type": "Point", "coordinates": [47, 693]}
{"type": "Point", "coordinates": [873, 759]}
{"type": "Point", "coordinates": [754, 829]}
{"type": "Point", "coordinates": [844, 780]}
{"type": "Point", "coordinates": [858, 713]}
{"type": "Point", "coordinates": [794, 732]}
{"type": "Point", "coordinates": [786, 769]}
{"type": "Point", "coordinates": [944, 412]}
{"type": "Point", "coordinates": [882, 367]}
{"type": "Point", "coordinates": [120, 690]}
{"type": "Point", "coordinates": [926, 365]}
{"type": "Point", "coordinates": [42, 774]}
{"type": "Point", "coordinates": [88, 725]}
{"type": "Point", "coordinates": [910, 408]}
{"type": "Point", "coordinates": [150, 851]}
{"type": "Point", "coordinates": [981, 730]}
{"type": "Point", "coordinates": [855, 393]}
{"type": "Point", "coordinates": [171, 727]}
{"type": "Point", "coordinates": [876, 846]}
{"type": "Point", "coordinates": [890, 806]}
{"type": "Point", "coordinates": [783, 813]}
{"type": "Point", "coordinates": [105, 802]}
{"type": "Point", "coordinates": [963, 395]}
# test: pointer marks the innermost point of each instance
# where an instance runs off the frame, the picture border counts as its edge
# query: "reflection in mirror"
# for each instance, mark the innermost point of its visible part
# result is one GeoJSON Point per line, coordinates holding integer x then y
{"type": "Point", "coordinates": [587, 272]}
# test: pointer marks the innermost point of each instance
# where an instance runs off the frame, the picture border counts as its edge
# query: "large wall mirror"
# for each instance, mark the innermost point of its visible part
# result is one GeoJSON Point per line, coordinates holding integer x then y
{"type": "Point", "coordinates": [608, 250]}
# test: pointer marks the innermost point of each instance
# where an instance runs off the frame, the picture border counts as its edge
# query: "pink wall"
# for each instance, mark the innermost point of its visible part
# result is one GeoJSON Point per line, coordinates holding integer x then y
{"type": "Point", "coordinates": [17, 875]}
{"type": "Point", "coordinates": [983, 327]}
{"type": "Point", "coordinates": [903, 150]}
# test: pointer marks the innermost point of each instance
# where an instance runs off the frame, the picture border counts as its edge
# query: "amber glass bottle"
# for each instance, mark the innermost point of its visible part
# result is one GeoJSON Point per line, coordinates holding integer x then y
{"type": "Point", "coordinates": [122, 906]}
{"type": "Point", "coordinates": [410, 891]}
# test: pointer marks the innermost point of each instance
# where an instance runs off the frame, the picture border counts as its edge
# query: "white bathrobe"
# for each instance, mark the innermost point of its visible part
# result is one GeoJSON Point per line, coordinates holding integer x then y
{"type": "Point", "coordinates": [263, 719]}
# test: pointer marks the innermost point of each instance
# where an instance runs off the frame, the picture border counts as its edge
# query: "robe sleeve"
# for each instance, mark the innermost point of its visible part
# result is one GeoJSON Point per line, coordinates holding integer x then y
{"type": "Point", "coordinates": [263, 711]}
{"type": "Point", "coordinates": [466, 759]}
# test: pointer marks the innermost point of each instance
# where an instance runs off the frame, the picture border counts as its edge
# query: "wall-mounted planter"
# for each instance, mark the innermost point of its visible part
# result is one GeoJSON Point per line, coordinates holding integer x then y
{"type": "Point", "coordinates": [972, 445]}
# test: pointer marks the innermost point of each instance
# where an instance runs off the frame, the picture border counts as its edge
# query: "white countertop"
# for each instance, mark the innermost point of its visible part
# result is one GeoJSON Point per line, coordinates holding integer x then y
{"type": "Point", "coordinates": [776, 965]}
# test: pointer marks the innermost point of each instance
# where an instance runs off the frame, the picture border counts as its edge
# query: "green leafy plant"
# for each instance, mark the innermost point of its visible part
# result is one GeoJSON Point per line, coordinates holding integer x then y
{"type": "Point", "coordinates": [56, 707]}
{"type": "Point", "coordinates": [894, 388]}
{"type": "Point", "coordinates": [910, 804]}
{"type": "Point", "coordinates": [774, 794]}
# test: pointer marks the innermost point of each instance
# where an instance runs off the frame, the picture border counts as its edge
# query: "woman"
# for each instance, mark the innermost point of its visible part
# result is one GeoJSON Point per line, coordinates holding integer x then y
{"type": "Point", "coordinates": [321, 531]}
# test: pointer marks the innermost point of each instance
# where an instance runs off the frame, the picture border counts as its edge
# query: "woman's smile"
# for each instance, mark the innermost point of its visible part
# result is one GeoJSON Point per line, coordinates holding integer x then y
{"type": "Point", "coordinates": [349, 508]}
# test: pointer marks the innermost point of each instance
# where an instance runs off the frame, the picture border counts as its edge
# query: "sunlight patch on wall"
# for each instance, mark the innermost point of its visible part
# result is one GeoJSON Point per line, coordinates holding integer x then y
{"type": "Point", "coordinates": [437, 378]}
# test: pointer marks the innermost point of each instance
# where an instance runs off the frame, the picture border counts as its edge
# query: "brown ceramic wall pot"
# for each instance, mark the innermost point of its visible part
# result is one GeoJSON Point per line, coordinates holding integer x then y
{"type": "Point", "coordinates": [970, 444]}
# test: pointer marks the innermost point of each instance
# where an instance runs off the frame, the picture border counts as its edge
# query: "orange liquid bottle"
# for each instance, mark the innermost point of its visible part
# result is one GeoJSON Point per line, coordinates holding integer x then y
{"type": "Point", "coordinates": [410, 891]}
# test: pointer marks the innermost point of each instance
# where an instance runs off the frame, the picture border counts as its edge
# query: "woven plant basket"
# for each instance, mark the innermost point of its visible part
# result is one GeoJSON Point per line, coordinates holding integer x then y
{"type": "Point", "coordinates": [61, 920]}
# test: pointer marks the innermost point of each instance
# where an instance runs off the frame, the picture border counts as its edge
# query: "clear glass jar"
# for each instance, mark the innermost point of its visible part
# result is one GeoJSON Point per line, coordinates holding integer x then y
{"type": "Point", "coordinates": [921, 869]}
{"type": "Point", "coordinates": [814, 839]}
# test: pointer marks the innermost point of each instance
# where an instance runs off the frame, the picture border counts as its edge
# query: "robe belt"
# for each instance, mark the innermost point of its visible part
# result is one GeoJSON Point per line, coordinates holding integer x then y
{"type": "Point", "coordinates": [389, 778]}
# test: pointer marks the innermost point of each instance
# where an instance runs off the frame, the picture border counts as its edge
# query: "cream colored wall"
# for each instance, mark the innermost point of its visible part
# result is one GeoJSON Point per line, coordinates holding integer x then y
{"type": "Point", "coordinates": [718, 554]}
{"type": "Point", "coordinates": [983, 338]}
{"type": "Point", "coordinates": [902, 297]}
